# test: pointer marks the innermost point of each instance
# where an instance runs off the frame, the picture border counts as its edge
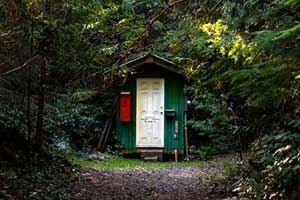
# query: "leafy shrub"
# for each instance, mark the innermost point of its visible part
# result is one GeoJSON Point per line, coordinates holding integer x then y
{"type": "Point", "coordinates": [12, 117]}
{"type": "Point", "coordinates": [43, 177]}
{"type": "Point", "coordinates": [204, 151]}
{"type": "Point", "coordinates": [80, 124]}
{"type": "Point", "coordinates": [114, 146]}
{"type": "Point", "coordinates": [214, 124]}
{"type": "Point", "coordinates": [273, 171]}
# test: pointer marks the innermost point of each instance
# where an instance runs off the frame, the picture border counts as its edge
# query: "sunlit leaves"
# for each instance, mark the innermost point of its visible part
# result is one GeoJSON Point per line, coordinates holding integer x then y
{"type": "Point", "coordinates": [215, 29]}
{"type": "Point", "coordinates": [31, 4]}
{"type": "Point", "coordinates": [276, 167]}
{"type": "Point", "coordinates": [293, 31]}
{"type": "Point", "coordinates": [228, 42]}
{"type": "Point", "coordinates": [287, 2]}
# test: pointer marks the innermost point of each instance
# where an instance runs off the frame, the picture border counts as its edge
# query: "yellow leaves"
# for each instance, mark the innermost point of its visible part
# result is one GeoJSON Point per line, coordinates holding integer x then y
{"type": "Point", "coordinates": [243, 46]}
{"type": "Point", "coordinates": [214, 41]}
{"type": "Point", "coordinates": [32, 3]}
{"type": "Point", "coordinates": [122, 21]}
{"type": "Point", "coordinates": [229, 43]}
{"type": "Point", "coordinates": [249, 59]}
{"type": "Point", "coordinates": [222, 50]}
{"type": "Point", "coordinates": [297, 77]}
{"type": "Point", "coordinates": [173, 45]}
{"type": "Point", "coordinates": [231, 52]}
{"type": "Point", "coordinates": [216, 29]}
{"type": "Point", "coordinates": [91, 25]}
{"type": "Point", "coordinates": [206, 28]}
{"type": "Point", "coordinates": [238, 45]}
{"type": "Point", "coordinates": [216, 32]}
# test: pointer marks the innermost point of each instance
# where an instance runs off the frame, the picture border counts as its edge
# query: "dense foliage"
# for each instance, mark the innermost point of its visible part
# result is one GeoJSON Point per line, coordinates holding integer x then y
{"type": "Point", "coordinates": [214, 126]}
{"type": "Point", "coordinates": [273, 170]}
{"type": "Point", "coordinates": [46, 178]}
{"type": "Point", "coordinates": [241, 59]}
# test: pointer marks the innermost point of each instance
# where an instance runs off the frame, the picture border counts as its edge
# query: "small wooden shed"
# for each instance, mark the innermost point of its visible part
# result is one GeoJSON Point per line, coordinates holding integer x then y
{"type": "Point", "coordinates": [150, 108]}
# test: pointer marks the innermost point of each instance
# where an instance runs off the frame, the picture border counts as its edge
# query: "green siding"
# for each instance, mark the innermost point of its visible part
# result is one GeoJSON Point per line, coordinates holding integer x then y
{"type": "Point", "coordinates": [126, 130]}
{"type": "Point", "coordinates": [173, 100]}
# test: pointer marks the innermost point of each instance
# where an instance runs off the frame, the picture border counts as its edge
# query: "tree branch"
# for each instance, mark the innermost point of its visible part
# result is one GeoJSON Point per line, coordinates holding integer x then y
{"type": "Point", "coordinates": [101, 32]}
{"type": "Point", "coordinates": [20, 67]}
{"type": "Point", "coordinates": [164, 10]}
{"type": "Point", "coordinates": [214, 8]}
{"type": "Point", "coordinates": [5, 34]}
{"type": "Point", "coordinates": [281, 9]}
{"type": "Point", "coordinates": [144, 34]}
{"type": "Point", "coordinates": [148, 27]}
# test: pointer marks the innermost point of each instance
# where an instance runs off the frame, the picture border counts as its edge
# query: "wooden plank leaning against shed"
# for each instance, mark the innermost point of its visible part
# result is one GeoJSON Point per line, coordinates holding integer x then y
{"type": "Point", "coordinates": [107, 129]}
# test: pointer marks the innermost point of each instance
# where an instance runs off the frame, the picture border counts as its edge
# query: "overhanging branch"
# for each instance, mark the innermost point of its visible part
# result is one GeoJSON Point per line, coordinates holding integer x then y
{"type": "Point", "coordinates": [148, 27]}
{"type": "Point", "coordinates": [20, 67]}
{"type": "Point", "coordinates": [5, 34]}
{"type": "Point", "coordinates": [164, 10]}
{"type": "Point", "coordinates": [145, 33]}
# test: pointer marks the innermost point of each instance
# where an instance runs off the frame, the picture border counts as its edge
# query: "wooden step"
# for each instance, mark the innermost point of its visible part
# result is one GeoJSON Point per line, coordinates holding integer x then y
{"type": "Point", "coordinates": [151, 158]}
{"type": "Point", "coordinates": [151, 154]}
{"type": "Point", "coordinates": [150, 150]}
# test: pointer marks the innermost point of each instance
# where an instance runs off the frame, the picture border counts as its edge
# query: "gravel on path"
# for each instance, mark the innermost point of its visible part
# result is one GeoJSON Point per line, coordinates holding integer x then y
{"type": "Point", "coordinates": [149, 184]}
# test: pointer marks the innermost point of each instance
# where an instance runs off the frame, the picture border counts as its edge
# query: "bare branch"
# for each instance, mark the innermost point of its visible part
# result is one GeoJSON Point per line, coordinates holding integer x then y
{"type": "Point", "coordinates": [284, 10]}
{"type": "Point", "coordinates": [164, 10]}
{"type": "Point", "coordinates": [20, 67]}
{"type": "Point", "coordinates": [145, 33]}
{"type": "Point", "coordinates": [5, 34]}
{"type": "Point", "coordinates": [214, 8]}
{"type": "Point", "coordinates": [148, 27]}
{"type": "Point", "coordinates": [101, 32]}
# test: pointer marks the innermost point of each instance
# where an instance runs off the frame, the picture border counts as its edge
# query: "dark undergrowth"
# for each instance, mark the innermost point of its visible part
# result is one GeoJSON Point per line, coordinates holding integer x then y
{"type": "Point", "coordinates": [36, 177]}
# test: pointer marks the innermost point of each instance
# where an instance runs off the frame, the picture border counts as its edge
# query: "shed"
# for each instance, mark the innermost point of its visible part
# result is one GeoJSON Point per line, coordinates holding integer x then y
{"type": "Point", "coordinates": [150, 107]}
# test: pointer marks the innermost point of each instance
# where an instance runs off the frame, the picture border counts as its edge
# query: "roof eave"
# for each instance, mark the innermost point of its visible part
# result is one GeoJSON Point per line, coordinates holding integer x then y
{"type": "Point", "coordinates": [151, 59]}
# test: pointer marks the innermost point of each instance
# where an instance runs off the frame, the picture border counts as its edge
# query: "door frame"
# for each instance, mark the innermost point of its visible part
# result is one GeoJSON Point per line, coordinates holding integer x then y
{"type": "Point", "coordinates": [138, 116]}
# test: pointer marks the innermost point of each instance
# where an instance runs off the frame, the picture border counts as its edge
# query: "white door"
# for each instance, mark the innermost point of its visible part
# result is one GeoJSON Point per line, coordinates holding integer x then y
{"type": "Point", "coordinates": [150, 112]}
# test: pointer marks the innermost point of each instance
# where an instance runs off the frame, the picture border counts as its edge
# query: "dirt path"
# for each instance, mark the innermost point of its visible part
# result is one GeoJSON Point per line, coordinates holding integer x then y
{"type": "Point", "coordinates": [174, 183]}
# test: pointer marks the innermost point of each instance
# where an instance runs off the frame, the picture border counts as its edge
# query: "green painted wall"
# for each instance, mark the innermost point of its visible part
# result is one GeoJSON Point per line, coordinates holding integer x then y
{"type": "Point", "coordinates": [174, 99]}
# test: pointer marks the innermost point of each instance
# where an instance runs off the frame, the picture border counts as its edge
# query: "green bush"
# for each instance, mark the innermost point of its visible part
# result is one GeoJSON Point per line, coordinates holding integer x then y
{"type": "Point", "coordinates": [12, 117]}
{"type": "Point", "coordinates": [273, 172]}
{"type": "Point", "coordinates": [80, 124]}
{"type": "Point", "coordinates": [212, 121]}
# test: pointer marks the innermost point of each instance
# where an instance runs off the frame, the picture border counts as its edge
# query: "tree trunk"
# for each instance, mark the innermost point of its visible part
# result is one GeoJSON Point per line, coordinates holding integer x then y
{"type": "Point", "coordinates": [41, 103]}
{"type": "Point", "coordinates": [28, 111]}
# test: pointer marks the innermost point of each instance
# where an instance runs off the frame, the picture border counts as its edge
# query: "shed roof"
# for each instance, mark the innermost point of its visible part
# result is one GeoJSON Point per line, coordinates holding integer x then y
{"type": "Point", "coordinates": [151, 59]}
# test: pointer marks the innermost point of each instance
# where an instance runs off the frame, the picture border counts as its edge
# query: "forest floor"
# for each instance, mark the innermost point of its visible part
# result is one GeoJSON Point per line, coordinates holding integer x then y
{"type": "Point", "coordinates": [175, 183]}
{"type": "Point", "coordinates": [99, 176]}
{"type": "Point", "coordinates": [164, 182]}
